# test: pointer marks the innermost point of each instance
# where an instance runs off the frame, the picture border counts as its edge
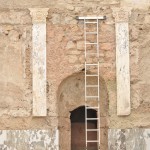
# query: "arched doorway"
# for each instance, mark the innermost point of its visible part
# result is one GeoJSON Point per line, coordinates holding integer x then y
{"type": "Point", "coordinates": [70, 97]}
{"type": "Point", "coordinates": [78, 128]}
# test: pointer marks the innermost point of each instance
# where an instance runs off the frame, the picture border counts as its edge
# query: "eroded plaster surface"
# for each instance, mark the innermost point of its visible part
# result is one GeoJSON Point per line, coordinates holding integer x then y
{"type": "Point", "coordinates": [29, 139]}
{"type": "Point", "coordinates": [129, 139]}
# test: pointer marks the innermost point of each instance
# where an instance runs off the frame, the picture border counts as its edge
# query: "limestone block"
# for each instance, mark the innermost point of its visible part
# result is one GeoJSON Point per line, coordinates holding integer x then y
{"type": "Point", "coordinates": [70, 20]}
{"type": "Point", "coordinates": [56, 18]}
{"type": "Point", "coordinates": [70, 45]}
{"type": "Point", "coordinates": [70, 7]}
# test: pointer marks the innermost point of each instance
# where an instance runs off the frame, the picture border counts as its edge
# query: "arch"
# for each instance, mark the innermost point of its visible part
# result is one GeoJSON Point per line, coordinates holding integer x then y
{"type": "Point", "coordinates": [71, 96]}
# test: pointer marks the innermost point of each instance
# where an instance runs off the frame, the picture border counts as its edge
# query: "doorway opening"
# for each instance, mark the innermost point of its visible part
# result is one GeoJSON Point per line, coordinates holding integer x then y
{"type": "Point", "coordinates": [70, 96]}
{"type": "Point", "coordinates": [78, 128]}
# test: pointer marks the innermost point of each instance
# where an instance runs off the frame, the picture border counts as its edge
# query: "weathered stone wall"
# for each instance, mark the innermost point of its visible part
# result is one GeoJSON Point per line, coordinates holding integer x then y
{"type": "Point", "coordinates": [139, 70]}
{"type": "Point", "coordinates": [15, 72]}
{"type": "Point", "coordinates": [129, 139]}
{"type": "Point", "coordinates": [29, 139]}
{"type": "Point", "coordinates": [65, 56]}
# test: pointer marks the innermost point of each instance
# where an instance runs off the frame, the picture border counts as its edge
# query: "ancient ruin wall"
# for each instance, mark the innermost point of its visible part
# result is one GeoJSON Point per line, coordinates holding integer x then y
{"type": "Point", "coordinates": [65, 56]}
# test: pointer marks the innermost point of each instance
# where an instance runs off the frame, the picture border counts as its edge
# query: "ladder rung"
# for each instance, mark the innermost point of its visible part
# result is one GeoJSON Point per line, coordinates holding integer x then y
{"type": "Point", "coordinates": [91, 64]}
{"type": "Point", "coordinates": [92, 107]}
{"type": "Point", "coordinates": [91, 32]}
{"type": "Point", "coordinates": [92, 96]}
{"type": "Point", "coordinates": [91, 75]}
{"type": "Point", "coordinates": [91, 85]}
{"type": "Point", "coordinates": [92, 130]}
{"type": "Point", "coordinates": [91, 43]}
{"type": "Point", "coordinates": [93, 141]}
{"type": "Point", "coordinates": [88, 22]}
{"type": "Point", "coordinates": [92, 118]}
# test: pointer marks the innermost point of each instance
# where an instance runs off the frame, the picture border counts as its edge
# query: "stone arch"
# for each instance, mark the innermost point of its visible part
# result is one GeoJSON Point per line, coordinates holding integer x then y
{"type": "Point", "coordinates": [70, 96]}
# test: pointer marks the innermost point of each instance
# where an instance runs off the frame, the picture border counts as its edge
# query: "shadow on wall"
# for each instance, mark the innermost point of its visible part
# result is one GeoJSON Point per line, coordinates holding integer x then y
{"type": "Point", "coordinates": [71, 96]}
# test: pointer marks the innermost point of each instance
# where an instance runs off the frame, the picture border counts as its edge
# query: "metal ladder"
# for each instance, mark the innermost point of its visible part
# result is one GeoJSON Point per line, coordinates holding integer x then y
{"type": "Point", "coordinates": [88, 98]}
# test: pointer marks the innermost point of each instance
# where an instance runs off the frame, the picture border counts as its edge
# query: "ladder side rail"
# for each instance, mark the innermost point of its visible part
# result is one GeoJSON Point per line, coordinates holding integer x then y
{"type": "Point", "coordinates": [85, 84]}
{"type": "Point", "coordinates": [98, 112]}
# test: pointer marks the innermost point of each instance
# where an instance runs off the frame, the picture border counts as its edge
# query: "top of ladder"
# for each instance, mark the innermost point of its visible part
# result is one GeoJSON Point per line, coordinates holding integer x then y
{"type": "Point", "coordinates": [92, 18]}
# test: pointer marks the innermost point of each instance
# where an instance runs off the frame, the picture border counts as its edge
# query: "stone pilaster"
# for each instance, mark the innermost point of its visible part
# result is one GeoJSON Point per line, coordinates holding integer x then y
{"type": "Point", "coordinates": [39, 60]}
{"type": "Point", "coordinates": [121, 16]}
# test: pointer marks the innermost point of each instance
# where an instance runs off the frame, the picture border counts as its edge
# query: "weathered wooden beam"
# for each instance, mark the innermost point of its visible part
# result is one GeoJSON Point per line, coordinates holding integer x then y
{"type": "Point", "coordinates": [39, 60]}
{"type": "Point", "coordinates": [122, 60]}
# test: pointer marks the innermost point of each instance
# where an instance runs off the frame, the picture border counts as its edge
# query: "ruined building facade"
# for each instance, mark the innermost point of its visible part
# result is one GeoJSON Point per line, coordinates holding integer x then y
{"type": "Point", "coordinates": [42, 74]}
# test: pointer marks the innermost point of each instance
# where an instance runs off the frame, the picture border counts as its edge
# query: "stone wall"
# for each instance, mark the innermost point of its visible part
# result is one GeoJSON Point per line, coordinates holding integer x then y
{"type": "Point", "coordinates": [139, 70]}
{"type": "Point", "coordinates": [65, 57]}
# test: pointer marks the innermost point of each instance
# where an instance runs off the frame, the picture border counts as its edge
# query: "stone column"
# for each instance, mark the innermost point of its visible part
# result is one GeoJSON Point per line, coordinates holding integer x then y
{"type": "Point", "coordinates": [39, 60]}
{"type": "Point", "coordinates": [122, 60]}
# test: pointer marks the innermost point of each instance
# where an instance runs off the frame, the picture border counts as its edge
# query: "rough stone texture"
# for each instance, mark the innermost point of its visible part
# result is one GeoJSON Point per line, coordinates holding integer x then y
{"type": "Point", "coordinates": [65, 59]}
{"type": "Point", "coordinates": [129, 139]}
{"type": "Point", "coordinates": [139, 69]}
{"type": "Point", "coordinates": [29, 140]}
{"type": "Point", "coordinates": [144, 4]}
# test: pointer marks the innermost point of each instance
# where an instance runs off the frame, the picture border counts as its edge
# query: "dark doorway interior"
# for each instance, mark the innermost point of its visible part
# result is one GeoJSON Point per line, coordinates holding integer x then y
{"type": "Point", "coordinates": [78, 129]}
